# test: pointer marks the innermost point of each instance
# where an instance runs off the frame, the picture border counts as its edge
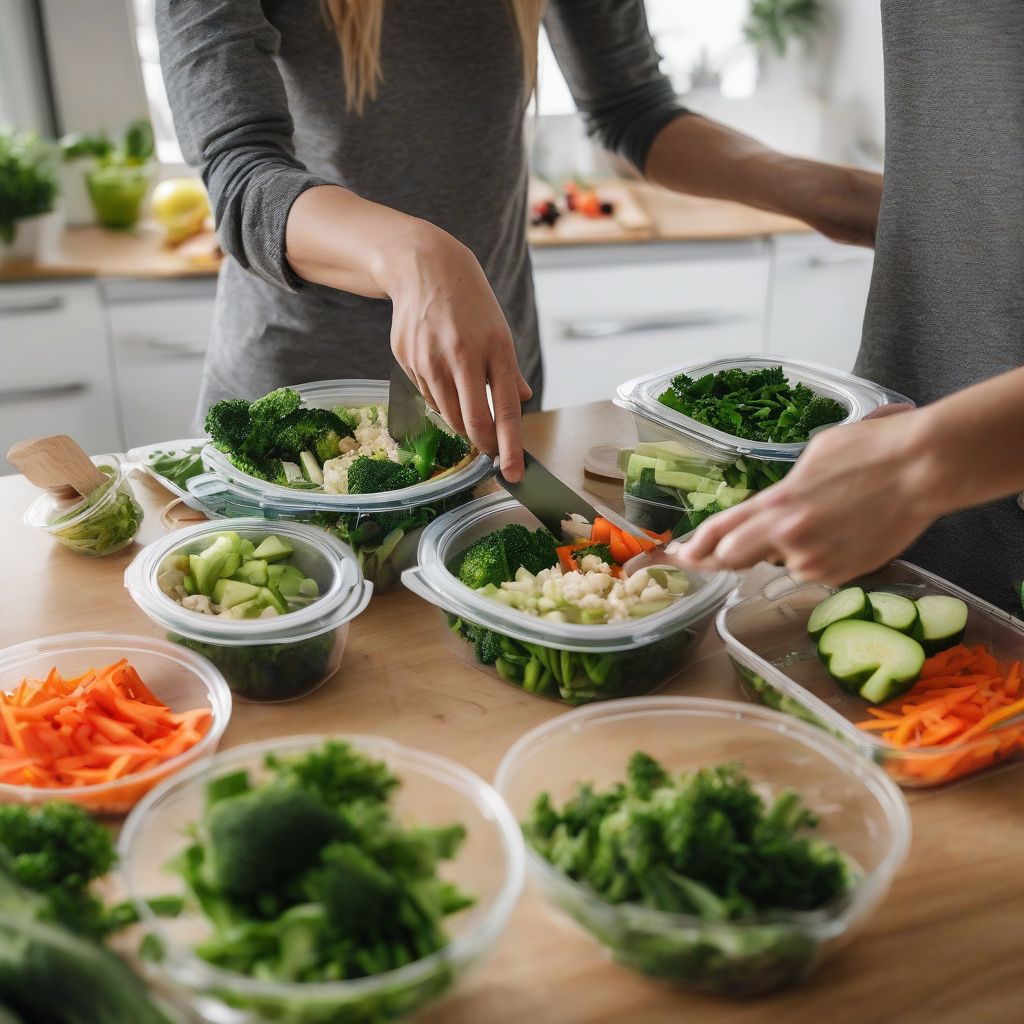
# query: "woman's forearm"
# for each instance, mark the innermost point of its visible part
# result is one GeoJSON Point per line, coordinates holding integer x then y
{"type": "Point", "coordinates": [971, 444]}
{"type": "Point", "coordinates": [698, 156]}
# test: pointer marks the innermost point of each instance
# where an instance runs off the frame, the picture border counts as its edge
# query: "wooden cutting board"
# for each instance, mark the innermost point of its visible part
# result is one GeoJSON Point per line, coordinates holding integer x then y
{"type": "Point", "coordinates": [629, 223]}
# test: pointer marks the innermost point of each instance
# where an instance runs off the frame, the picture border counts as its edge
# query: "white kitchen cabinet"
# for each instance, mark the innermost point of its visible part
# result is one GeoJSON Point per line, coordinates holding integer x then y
{"type": "Point", "coordinates": [611, 313]}
{"type": "Point", "coordinates": [55, 373]}
{"type": "Point", "coordinates": [159, 332]}
{"type": "Point", "coordinates": [818, 293]}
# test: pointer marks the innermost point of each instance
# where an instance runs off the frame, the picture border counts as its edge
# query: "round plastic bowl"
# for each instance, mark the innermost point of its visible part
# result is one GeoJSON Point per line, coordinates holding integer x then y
{"type": "Point", "coordinates": [433, 791]}
{"type": "Point", "coordinates": [274, 659]}
{"type": "Point", "coordinates": [179, 678]}
{"type": "Point", "coordinates": [104, 522]}
{"type": "Point", "coordinates": [860, 811]}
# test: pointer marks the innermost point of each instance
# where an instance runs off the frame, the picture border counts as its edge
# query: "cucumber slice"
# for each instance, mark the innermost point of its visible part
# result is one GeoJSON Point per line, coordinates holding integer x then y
{"type": "Point", "coordinates": [851, 603]}
{"type": "Point", "coordinates": [941, 622]}
{"type": "Point", "coordinates": [874, 660]}
{"type": "Point", "coordinates": [893, 611]}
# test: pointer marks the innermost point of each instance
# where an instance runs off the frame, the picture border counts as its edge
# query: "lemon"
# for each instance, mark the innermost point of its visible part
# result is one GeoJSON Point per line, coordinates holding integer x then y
{"type": "Point", "coordinates": [181, 206]}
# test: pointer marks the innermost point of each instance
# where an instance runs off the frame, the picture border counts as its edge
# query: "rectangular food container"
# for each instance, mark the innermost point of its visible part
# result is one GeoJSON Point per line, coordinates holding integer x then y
{"type": "Point", "coordinates": [777, 664]}
{"type": "Point", "coordinates": [382, 528]}
{"type": "Point", "coordinates": [741, 464]}
{"type": "Point", "coordinates": [566, 661]}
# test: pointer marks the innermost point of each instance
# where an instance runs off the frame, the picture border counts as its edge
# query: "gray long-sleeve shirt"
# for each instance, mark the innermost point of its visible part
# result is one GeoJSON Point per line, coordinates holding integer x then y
{"type": "Point", "coordinates": [259, 105]}
{"type": "Point", "coordinates": [946, 308]}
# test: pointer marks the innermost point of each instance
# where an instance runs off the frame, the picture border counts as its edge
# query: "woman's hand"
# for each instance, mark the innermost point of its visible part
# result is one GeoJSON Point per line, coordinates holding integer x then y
{"type": "Point", "coordinates": [451, 337]}
{"type": "Point", "coordinates": [858, 497]}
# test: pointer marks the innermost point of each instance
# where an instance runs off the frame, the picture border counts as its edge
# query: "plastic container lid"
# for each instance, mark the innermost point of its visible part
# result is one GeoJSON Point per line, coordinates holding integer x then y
{"type": "Point", "coordinates": [44, 512]}
{"type": "Point", "coordinates": [451, 533]}
{"type": "Point", "coordinates": [343, 591]}
{"type": "Point", "coordinates": [640, 397]}
{"type": "Point", "coordinates": [327, 394]}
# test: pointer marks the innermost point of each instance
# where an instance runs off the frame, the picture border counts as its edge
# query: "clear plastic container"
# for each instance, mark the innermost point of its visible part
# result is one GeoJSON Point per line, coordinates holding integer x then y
{"type": "Point", "coordinates": [381, 528]}
{"type": "Point", "coordinates": [656, 516]}
{"type": "Point", "coordinates": [749, 465]}
{"type": "Point", "coordinates": [101, 523]}
{"type": "Point", "coordinates": [179, 678]}
{"type": "Point", "coordinates": [574, 663]}
{"type": "Point", "coordinates": [140, 459]}
{"type": "Point", "coordinates": [273, 659]}
{"type": "Point", "coordinates": [433, 791]}
{"type": "Point", "coordinates": [860, 812]}
{"type": "Point", "coordinates": [777, 664]}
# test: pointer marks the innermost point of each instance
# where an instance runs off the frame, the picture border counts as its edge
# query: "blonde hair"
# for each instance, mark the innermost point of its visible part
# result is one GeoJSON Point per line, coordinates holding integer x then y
{"type": "Point", "coordinates": [357, 24]}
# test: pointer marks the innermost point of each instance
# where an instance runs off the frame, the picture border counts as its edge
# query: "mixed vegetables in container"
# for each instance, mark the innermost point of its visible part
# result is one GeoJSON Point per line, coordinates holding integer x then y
{"type": "Point", "coordinates": [709, 435]}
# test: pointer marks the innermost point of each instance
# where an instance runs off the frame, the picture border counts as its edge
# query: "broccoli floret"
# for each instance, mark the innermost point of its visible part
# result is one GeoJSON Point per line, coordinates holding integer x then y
{"type": "Point", "coordinates": [57, 850]}
{"type": "Point", "coordinates": [335, 773]}
{"type": "Point", "coordinates": [347, 416]}
{"type": "Point", "coordinates": [645, 487]}
{"type": "Point", "coordinates": [488, 646]}
{"type": "Point", "coordinates": [262, 841]}
{"type": "Point", "coordinates": [275, 405]}
{"type": "Point", "coordinates": [421, 451]}
{"type": "Point", "coordinates": [601, 551]}
{"type": "Point", "coordinates": [820, 411]}
{"type": "Point", "coordinates": [451, 449]}
{"type": "Point", "coordinates": [645, 774]}
{"type": "Point", "coordinates": [227, 423]}
{"type": "Point", "coordinates": [484, 563]}
{"type": "Point", "coordinates": [697, 516]}
{"type": "Point", "coordinates": [371, 475]}
{"type": "Point", "coordinates": [497, 557]}
{"type": "Point", "coordinates": [315, 430]}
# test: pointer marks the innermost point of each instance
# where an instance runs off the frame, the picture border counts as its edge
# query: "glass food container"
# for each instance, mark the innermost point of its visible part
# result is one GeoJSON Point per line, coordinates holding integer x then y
{"type": "Point", "coordinates": [434, 791]}
{"type": "Point", "coordinates": [777, 664]}
{"type": "Point", "coordinates": [103, 522]}
{"type": "Point", "coordinates": [263, 659]}
{"type": "Point", "coordinates": [859, 809]}
{"type": "Point", "coordinates": [570, 662]}
{"type": "Point", "coordinates": [180, 679]}
{"type": "Point", "coordinates": [382, 529]}
{"type": "Point", "coordinates": [117, 192]}
{"type": "Point", "coordinates": [712, 470]}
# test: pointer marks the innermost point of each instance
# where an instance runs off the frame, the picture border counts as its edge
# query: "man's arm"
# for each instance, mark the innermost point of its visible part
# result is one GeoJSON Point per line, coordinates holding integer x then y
{"type": "Point", "coordinates": [692, 154]}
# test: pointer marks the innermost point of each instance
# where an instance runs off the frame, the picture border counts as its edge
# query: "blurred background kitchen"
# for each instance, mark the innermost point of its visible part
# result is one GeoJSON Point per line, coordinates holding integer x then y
{"type": "Point", "coordinates": [108, 261]}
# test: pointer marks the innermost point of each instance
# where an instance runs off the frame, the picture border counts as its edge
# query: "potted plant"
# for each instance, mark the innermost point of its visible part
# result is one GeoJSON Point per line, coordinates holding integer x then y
{"type": "Point", "coordinates": [771, 26]}
{"type": "Point", "coordinates": [81, 153]}
{"type": "Point", "coordinates": [28, 195]}
{"type": "Point", "coordinates": [119, 182]}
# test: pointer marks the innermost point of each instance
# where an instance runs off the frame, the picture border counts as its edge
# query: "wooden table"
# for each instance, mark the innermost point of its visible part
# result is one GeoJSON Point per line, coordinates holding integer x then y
{"type": "Point", "coordinates": [946, 947]}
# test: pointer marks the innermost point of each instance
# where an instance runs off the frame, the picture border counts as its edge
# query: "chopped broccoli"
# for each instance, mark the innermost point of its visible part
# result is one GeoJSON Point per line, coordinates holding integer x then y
{"type": "Point", "coordinates": [695, 516]}
{"type": "Point", "coordinates": [645, 487]}
{"type": "Point", "coordinates": [57, 850]}
{"type": "Point", "coordinates": [274, 406]}
{"type": "Point", "coordinates": [820, 411]}
{"type": "Point", "coordinates": [488, 647]}
{"type": "Point", "coordinates": [316, 430]}
{"type": "Point", "coordinates": [227, 423]}
{"type": "Point", "coordinates": [421, 451]}
{"type": "Point", "coordinates": [451, 449]}
{"type": "Point", "coordinates": [370, 475]}
{"type": "Point", "coordinates": [496, 557]}
{"type": "Point", "coordinates": [601, 551]}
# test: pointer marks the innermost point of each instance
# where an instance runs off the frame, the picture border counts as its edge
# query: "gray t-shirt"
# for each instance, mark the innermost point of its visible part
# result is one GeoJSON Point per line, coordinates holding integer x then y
{"type": "Point", "coordinates": [946, 308]}
{"type": "Point", "coordinates": [259, 105]}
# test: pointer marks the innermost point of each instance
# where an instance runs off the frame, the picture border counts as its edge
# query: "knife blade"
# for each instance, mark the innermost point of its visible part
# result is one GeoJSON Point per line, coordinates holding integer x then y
{"type": "Point", "coordinates": [407, 411]}
{"type": "Point", "coordinates": [544, 495]}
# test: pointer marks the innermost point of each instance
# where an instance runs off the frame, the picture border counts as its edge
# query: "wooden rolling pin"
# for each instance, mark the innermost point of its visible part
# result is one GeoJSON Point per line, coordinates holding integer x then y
{"type": "Point", "coordinates": [57, 464]}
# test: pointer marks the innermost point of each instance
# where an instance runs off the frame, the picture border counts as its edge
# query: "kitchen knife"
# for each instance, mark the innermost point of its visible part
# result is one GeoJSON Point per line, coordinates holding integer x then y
{"type": "Point", "coordinates": [407, 411]}
{"type": "Point", "coordinates": [543, 494]}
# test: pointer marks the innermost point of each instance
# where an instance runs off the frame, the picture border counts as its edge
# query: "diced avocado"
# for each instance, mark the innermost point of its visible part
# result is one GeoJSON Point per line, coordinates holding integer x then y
{"type": "Point", "coordinates": [270, 599]}
{"type": "Point", "coordinates": [675, 581]}
{"type": "Point", "coordinates": [189, 584]}
{"type": "Point", "coordinates": [247, 609]}
{"type": "Point", "coordinates": [253, 571]}
{"type": "Point", "coordinates": [246, 548]}
{"type": "Point", "coordinates": [728, 496]}
{"type": "Point", "coordinates": [205, 570]}
{"type": "Point", "coordinates": [287, 583]}
{"type": "Point", "coordinates": [231, 592]}
{"type": "Point", "coordinates": [273, 549]}
{"type": "Point", "coordinates": [174, 563]}
{"type": "Point", "coordinates": [309, 588]}
{"type": "Point", "coordinates": [311, 468]}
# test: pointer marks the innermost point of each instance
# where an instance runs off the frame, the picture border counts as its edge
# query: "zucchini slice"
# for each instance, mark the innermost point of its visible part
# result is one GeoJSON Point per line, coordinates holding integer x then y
{"type": "Point", "coordinates": [941, 622]}
{"type": "Point", "coordinates": [894, 611]}
{"type": "Point", "coordinates": [870, 659]}
{"type": "Point", "coordinates": [850, 603]}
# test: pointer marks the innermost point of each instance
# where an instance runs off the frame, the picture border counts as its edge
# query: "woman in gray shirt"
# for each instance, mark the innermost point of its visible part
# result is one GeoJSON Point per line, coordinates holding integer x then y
{"type": "Point", "coordinates": [378, 190]}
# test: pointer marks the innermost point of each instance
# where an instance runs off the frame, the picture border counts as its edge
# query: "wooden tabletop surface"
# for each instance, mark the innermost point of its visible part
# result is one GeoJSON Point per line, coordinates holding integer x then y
{"type": "Point", "coordinates": [946, 947]}
{"type": "Point", "coordinates": [96, 252]}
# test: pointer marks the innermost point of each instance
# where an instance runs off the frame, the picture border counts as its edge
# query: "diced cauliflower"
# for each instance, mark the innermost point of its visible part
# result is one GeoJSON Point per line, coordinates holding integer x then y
{"type": "Point", "coordinates": [371, 437]}
{"type": "Point", "coordinates": [198, 603]}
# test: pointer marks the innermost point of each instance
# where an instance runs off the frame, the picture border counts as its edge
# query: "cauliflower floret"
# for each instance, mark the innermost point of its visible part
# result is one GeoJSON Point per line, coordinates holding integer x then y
{"type": "Point", "coordinates": [198, 603]}
{"type": "Point", "coordinates": [591, 563]}
{"type": "Point", "coordinates": [371, 438]}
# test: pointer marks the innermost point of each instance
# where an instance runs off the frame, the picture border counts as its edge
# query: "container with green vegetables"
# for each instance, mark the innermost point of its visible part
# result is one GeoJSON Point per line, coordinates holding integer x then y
{"type": "Point", "coordinates": [105, 521]}
{"type": "Point", "coordinates": [268, 604]}
{"type": "Point", "coordinates": [717, 847]}
{"type": "Point", "coordinates": [343, 879]}
{"type": "Point", "coordinates": [534, 634]}
{"type": "Point", "coordinates": [711, 434]}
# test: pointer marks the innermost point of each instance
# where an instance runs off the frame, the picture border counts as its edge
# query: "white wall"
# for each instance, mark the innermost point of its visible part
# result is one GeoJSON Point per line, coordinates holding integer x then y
{"type": "Point", "coordinates": [23, 100]}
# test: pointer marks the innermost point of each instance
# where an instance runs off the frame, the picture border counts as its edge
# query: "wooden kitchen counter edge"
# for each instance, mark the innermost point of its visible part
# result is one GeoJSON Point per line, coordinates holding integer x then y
{"type": "Point", "coordinates": [944, 947]}
{"type": "Point", "coordinates": [87, 252]}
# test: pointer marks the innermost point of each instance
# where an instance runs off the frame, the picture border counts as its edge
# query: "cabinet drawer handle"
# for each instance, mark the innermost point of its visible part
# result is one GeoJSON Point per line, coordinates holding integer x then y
{"type": "Point", "coordinates": [593, 330]}
{"type": "Point", "coordinates": [171, 348]}
{"type": "Point", "coordinates": [48, 305]}
{"type": "Point", "coordinates": [74, 387]}
{"type": "Point", "coordinates": [823, 262]}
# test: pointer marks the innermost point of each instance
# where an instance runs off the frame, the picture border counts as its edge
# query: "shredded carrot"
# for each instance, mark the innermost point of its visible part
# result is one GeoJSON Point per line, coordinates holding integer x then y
{"type": "Point", "coordinates": [962, 700]}
{"type": "Point", "coordinates": [102, 726]}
